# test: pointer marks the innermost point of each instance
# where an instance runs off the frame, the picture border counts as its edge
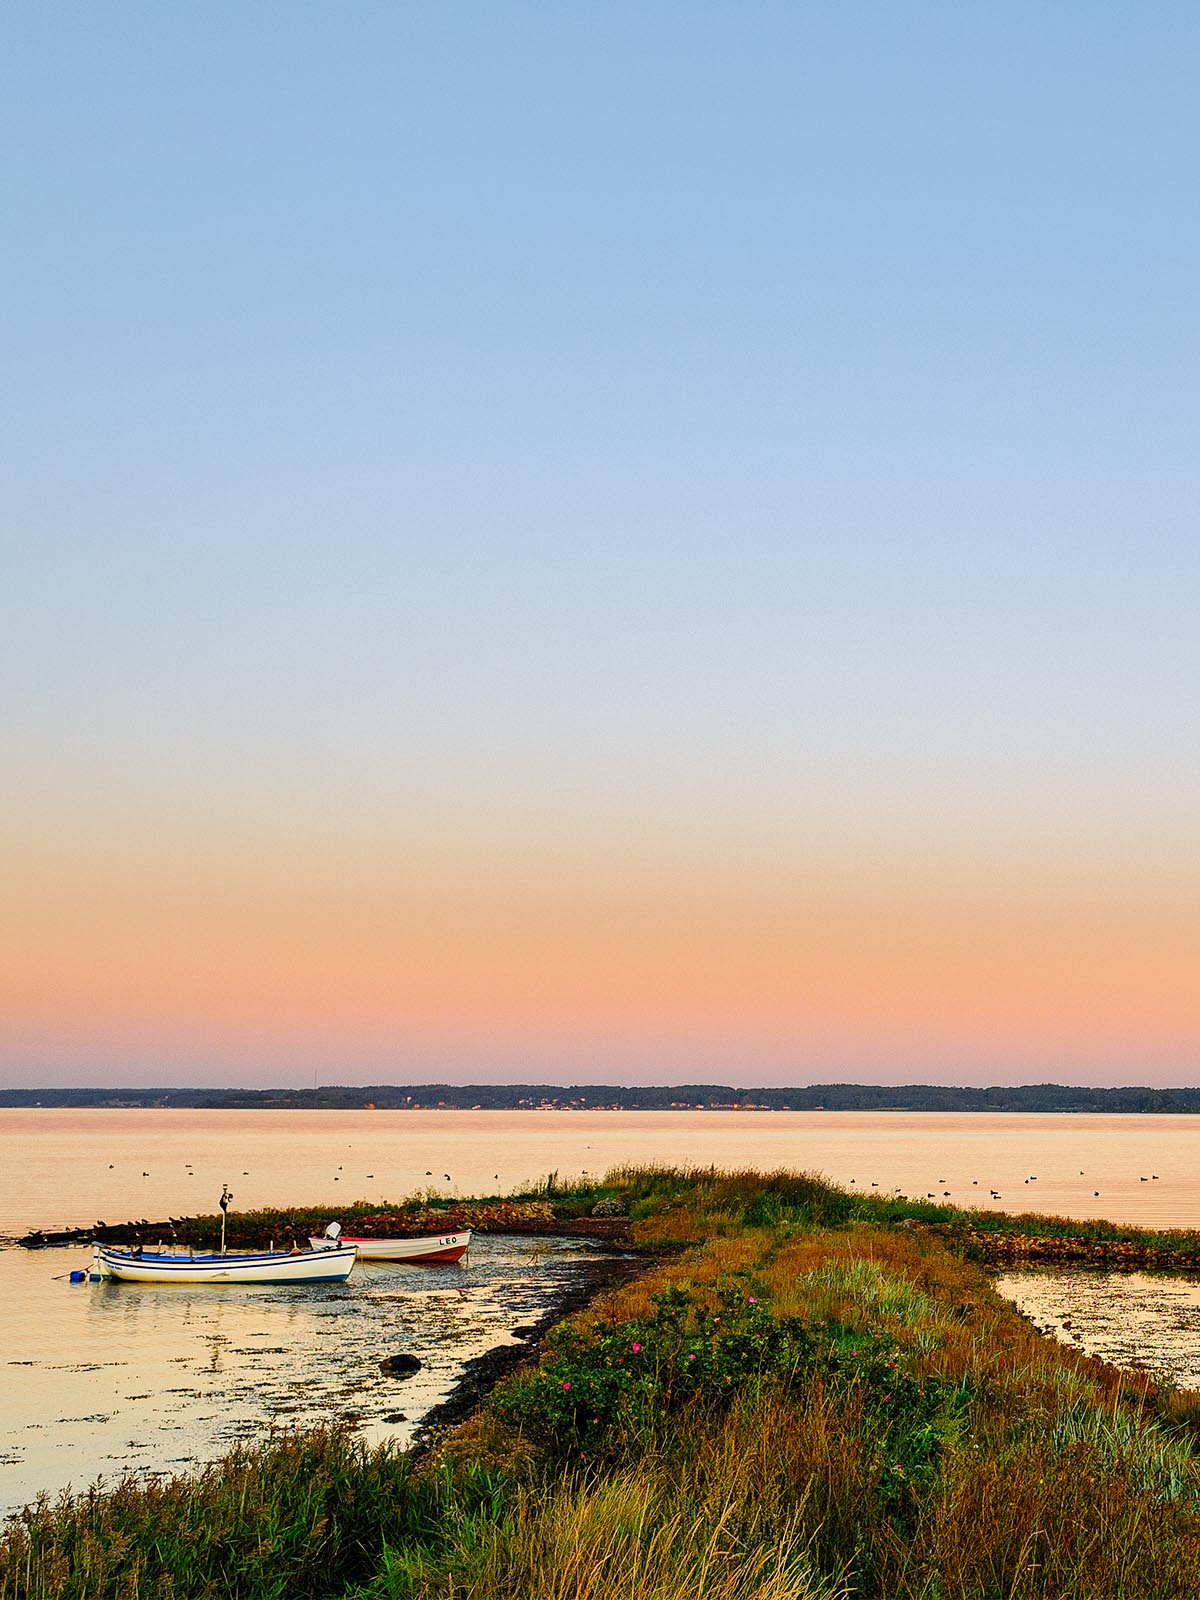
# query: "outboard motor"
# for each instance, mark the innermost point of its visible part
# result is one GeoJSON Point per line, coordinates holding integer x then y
{"type": "Point", "coordinates": [334, 1232]}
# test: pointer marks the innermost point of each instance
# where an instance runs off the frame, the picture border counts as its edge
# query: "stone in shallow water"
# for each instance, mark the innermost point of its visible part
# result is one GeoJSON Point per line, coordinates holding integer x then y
{"type": "Point", "coordinates": [401, 1366]}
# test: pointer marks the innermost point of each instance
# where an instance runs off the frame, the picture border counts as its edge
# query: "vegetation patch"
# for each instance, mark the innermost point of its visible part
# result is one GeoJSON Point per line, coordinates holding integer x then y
{"type": "Point", "coordinates": [805, 1397]}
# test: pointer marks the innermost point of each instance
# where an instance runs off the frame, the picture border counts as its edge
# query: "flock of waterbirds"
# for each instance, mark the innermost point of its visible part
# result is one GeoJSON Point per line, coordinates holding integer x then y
{"type": "Point", "coordinates": [995, 1194]}
{"type": "Point", "coordinates": [931, 1194]}
{"type": "Point", "coordinates": [190, 1172]}
{"type": "Point", "coordinates": [68, 1235]}
{"type": "Point", "coordinates": [959, 1195]}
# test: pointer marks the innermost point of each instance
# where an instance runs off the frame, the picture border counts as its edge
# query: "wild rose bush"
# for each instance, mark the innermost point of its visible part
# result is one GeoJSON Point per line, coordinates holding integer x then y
{"type": "Point", "coordinates": [604, 1381]}
{"type": "Point", "coordinates": [605, 1386]}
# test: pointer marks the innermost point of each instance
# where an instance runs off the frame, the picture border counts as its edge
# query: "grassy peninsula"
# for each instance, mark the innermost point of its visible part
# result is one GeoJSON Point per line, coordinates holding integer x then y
{"type": "Point", "coordinates": [807, 1395]}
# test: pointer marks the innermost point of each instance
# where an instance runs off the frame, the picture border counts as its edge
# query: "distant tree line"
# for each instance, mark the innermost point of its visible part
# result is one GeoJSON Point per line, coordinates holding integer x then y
{"type": "Point", "coordinates": [627, 1097]}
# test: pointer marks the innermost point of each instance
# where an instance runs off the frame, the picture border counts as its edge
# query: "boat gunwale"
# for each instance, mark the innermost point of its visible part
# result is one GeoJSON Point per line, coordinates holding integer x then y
{"type": "Point", "coordinates": [165, 1258]}
{"type": "Point", "coordinates": [440, 1249]}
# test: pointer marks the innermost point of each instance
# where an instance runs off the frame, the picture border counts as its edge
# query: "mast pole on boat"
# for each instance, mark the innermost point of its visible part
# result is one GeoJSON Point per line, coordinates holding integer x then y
{"type": "Point", "coordinates": [226, 1197]}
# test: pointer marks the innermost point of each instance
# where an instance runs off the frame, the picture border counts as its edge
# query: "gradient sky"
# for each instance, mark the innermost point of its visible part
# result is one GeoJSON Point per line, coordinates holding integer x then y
{"type": "Point", "coordinates": [599, 542]}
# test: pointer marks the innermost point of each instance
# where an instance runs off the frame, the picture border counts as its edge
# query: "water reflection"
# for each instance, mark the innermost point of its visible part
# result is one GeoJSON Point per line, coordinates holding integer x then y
{"type": "Point", "coordinates": [103, 1378]}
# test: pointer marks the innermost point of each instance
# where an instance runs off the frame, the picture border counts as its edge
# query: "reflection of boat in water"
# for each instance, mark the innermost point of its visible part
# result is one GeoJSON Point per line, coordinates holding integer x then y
{"type": "Point", "coordinates": [432, 1249]}
{"type": "Point", "coordinates": [185, 1266]}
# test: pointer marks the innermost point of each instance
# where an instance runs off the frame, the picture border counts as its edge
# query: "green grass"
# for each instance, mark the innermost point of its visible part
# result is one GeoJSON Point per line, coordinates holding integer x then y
{"type": "Point", "coordinates": [302, 1516]}
{"type": "Point", "coordinates": [686, 1204]}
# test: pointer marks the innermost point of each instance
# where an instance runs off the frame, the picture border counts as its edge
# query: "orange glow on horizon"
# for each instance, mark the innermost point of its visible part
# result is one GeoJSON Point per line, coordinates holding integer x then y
{"type": "Point", "coordinates": [915, 973]}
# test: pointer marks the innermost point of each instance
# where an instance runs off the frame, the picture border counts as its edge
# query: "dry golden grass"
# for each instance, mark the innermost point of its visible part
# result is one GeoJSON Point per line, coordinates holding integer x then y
{"type": "Point", "coordinates": [1032, 1521]}
{"type": "Point", "coordinates": [632, 1538]}
{"type": "Point", "coordinates": [732, 1512]}
{"type": "Point", "coordinates": [1060, 1484]}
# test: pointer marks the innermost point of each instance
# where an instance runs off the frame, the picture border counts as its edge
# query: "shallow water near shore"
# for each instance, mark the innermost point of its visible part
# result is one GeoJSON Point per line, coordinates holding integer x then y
{"type": "Point", "coordinates": [1147, 1322]}
{"type": "Point", "coordinates": [100, 1379]}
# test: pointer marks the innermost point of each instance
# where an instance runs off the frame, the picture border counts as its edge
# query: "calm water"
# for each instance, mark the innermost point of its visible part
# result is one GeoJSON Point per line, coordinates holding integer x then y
{"type": "Point", "coordinates": [95, 1379]}
{"type": "Point", "coordinates": [1148, 1321]}
{"type": "Point", "coordinates": [71, 1167]}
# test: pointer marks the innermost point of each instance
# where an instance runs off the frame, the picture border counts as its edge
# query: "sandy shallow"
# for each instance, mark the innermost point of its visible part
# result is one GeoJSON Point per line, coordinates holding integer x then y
{"type": "Point", "coordinates": [1148, 1322]}
{"type": "Point", "coordinates": [101, 1379]}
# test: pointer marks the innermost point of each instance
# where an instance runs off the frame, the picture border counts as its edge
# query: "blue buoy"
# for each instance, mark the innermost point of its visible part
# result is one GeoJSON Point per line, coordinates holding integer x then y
{"type": "Point", "coordinates": [78, 1277]}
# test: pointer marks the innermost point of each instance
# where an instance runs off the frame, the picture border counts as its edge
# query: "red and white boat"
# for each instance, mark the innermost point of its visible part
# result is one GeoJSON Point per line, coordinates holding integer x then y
{"type": "Point", "coordinates": [430, 1250]}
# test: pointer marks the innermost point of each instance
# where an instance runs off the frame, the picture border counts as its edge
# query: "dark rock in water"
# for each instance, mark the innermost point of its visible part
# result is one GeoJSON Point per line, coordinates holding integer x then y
{"type": "Point", "coordinates": [402, 1366]}
{"type": "Point", "coordinates": [530, 1330]}
{"type": "Point", "coordinates": [394, 1416]}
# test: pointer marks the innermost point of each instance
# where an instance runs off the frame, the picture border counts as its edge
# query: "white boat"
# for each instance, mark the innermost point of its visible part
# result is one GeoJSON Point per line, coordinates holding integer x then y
{"type": "Point", "coordinates": [432, 1248]}
{"type": "Point", "coordinates": [185, 1266]}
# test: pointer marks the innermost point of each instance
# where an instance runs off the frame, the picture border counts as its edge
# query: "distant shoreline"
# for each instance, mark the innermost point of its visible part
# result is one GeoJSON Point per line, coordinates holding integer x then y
{"type": "Point", "coordinates": [1041, 1097]}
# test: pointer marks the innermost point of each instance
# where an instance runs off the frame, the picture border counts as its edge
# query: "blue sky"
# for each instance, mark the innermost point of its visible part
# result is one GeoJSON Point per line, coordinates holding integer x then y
{"type": "Point", "coordinates": [739, 434]}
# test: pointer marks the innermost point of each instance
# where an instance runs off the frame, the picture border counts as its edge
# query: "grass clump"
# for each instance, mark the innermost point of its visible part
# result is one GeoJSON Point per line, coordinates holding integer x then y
{"type": "Point", "coordinates": [302, 1517]}
{"type": "Point", "coordinates": [655, 1532]}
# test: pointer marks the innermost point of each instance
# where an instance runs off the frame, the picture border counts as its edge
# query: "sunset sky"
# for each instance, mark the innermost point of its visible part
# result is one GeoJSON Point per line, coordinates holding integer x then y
{"type": "Point", "coordinates": [600, 542]}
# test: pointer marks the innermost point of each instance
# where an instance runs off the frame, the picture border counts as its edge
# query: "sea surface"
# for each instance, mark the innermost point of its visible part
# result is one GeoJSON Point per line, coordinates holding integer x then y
{"type": "Point", "coordinates": [99, 1379]}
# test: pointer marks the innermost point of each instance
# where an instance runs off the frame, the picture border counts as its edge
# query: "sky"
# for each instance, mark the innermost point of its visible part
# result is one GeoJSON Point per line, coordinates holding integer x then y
{"type": "Point", "coordinates": [599, 542]}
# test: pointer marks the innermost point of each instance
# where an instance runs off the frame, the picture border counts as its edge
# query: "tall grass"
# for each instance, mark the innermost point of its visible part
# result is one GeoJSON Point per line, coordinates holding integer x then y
{"type": "Point", "coordinates": [1030, 1521]}
{"type": "Point", "coordinates": [1047, 1476]}
{"type": "Point", "coordinates": [693, 1523]}
{"type": "Point", "coordinates": [1151, 1460]}
{"type": "Point", "coordinates": [300, 1518]}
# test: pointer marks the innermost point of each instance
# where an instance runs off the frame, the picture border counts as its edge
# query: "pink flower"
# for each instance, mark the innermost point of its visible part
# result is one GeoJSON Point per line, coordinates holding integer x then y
{"type": "Point", "coordinates": [635, 1348]}
{"type": "Point", "coordinates": [692, 1357]}
{"type": "Point", "coordinates": [566, 1385]}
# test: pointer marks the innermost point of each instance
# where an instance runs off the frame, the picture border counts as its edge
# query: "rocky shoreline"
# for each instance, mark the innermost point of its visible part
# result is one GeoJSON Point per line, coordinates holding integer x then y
{"type": "Point", "coordinates": [482, 1373]}
{"type": "Point", "coordinates": [258, 1230]}
{"type": "Point", "coordinates": [1115, 1255]}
